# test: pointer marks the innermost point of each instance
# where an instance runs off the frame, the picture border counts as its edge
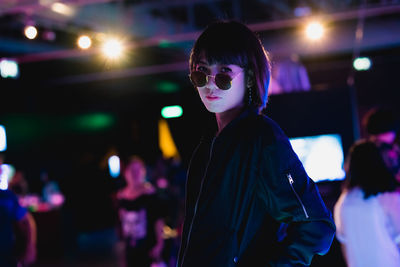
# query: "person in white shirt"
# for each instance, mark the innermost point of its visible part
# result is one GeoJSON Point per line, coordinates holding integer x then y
{"type": "Point", "coordinates": [367, 213]}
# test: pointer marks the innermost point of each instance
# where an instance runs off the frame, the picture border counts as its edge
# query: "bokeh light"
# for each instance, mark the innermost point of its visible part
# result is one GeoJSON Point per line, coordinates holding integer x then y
{"type": "Point", "coordinates": [113, 48]}
{"type": "Point", "coordinates": [3, 138]}
{"type": "Point", "coordinates": [114, 166]}
{"type": "Point", "coordinates": [62, 9]}
{"type": "Point", "coordinates": [6, 173]}
{"type": "Point", "coordinates": [315, 31]}
{"type": "Point", "coordinates": [9, 68]}
{"type": "Point", "coordinates": [362, 63]}
{"type": "Point", "coordinates": [30, 32]}
{"type": "Point", "coordinates": [84, 42]}
{"type": "Point", "coordinates": [171, 112]}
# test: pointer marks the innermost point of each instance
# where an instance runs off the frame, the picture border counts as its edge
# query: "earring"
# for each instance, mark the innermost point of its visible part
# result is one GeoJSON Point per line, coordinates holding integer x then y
{"type": "Point", "coordinates": [250, 98]}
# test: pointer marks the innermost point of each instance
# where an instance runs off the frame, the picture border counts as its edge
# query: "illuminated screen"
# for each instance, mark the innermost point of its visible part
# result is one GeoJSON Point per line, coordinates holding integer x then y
{"type": "Point", "coordinates": [3, 139]}
{"type": "Point", "coordinates": [321, 155]}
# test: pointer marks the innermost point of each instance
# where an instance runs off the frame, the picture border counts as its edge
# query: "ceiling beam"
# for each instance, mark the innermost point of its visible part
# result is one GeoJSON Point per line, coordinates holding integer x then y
{"type": "Point", "coordinates": [191, 36]}
{"type": "Point", "coordinates": [119, 74]}
{"type": "Point", "coordinates": [341, 41]}
{"type": "Point", "coordinates": [34, 6]}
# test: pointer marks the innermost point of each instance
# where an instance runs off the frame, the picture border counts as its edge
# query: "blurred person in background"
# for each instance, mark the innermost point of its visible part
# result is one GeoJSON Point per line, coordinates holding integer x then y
{"type": "Point", "coordinates": [141, 217]}
{"type": "Point", "coordinates": [367, 213]}
{"type": "Point", "coordinates": [381, 126]}
{"type": "Point", "coordinates": [17, 232]}
{"type": "Point", "coordinates": [244, 179]}
{"type": "Point", "coordinates": [290, 76]}
{"type": "Point", "coordinates": [19, 184]}
{"type": "Point", "coordinates": [51, 192]}
{"type": "Point", "coordinates": [164, 177]}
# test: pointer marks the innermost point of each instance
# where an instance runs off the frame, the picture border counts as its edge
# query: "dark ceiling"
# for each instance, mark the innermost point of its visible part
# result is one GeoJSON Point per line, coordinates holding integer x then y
{"type": "Point", "coordinates": [56, 76]}
{"type": "Point", "coordinates": [59, 83]}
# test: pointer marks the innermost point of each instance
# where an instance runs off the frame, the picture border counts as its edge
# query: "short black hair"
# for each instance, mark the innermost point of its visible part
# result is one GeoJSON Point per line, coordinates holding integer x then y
{"type": "Point", "coordinates": [368, 170]}
{"type": "Point", "coordinates": [380, 120]}
{"type": "Point", "coordinates": [232, 42]}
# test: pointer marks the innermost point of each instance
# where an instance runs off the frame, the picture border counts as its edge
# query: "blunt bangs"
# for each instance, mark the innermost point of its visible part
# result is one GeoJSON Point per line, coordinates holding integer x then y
{"type": "Point", "coordinates": [223, 44]}
{"type": "Point", "coordinates": [213, 56]}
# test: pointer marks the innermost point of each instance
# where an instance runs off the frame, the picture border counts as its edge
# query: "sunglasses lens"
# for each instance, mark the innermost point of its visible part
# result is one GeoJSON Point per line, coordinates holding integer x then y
{"type": "Point", "coordinates": [198, 78]}
{"type": "Point", "coordinates": [223, 81]}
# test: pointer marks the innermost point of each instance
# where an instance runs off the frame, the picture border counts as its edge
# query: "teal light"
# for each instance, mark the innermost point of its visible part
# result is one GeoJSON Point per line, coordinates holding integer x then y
{"type": "Point", "coordinates": [362, 63]}
{"type": "Point", "coordinates": [171, 112]}
{"type": "Point", "coordinates": [164, 44]}
{"type": "Point", "coordinates": [9, 68]}
{"type": "Point", "coordinates": [167, 87]}
{"type": "Point", "coordinates": [94, 121]}
{"type": "Point", "coordinates": [24, 127]}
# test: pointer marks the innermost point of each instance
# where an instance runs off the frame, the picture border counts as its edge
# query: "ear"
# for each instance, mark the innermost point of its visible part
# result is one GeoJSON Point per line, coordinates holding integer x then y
{"type": "Point", "coordinates": [250, 79]}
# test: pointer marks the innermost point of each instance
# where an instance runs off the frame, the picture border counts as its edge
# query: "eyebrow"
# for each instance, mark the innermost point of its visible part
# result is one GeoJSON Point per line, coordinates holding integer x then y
{"type": "Point", "coordinates": [201, 62]}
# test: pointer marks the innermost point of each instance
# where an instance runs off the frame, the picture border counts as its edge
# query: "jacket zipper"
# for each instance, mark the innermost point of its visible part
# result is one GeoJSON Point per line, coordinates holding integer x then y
{"type": "Point", "coordinates": [197, 200]}
{"type": "Point", "coordinates": [291, 182]}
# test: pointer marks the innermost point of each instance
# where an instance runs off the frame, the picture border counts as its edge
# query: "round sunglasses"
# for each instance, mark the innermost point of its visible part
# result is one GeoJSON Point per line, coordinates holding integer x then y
{"type": "Point", "coordinates": [222, 80]}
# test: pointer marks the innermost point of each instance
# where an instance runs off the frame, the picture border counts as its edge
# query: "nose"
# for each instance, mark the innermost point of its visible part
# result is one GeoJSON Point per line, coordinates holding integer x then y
{"type": "Point", "coordinates": [211, 82]}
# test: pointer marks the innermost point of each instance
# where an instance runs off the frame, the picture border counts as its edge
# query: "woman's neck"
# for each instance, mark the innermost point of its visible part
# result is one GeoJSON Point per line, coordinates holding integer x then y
{"type": "Point", "coordinates": [224, 118]}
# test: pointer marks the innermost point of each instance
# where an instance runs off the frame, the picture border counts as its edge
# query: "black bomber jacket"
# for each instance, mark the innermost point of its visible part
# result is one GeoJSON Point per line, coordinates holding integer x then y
{"type": "Point", "coordinates": [249, 201]}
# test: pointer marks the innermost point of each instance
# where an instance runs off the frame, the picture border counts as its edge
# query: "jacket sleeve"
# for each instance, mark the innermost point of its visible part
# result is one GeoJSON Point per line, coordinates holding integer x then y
{"type": "Point", "coordinates": [291, 197]}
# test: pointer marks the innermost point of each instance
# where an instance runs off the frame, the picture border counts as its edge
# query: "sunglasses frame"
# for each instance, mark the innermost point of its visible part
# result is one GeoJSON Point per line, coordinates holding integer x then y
{"type": "Point", "coordinates": [231, 77]}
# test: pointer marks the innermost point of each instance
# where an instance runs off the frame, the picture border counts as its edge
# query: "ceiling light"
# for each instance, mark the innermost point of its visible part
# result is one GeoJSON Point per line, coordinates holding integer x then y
{"type": "Point", "coordinates": [30, 32]}
{"type": "Point", "coordinates": [302, 11]}
{"type": "Point", "coordinates": [84, 42]}
{"type": "Point", "coordinates": [62, 9]}
{"type": "Point", "coordinates": [112, 48]}
{"type": "Point", "coordinates": [314, 31]}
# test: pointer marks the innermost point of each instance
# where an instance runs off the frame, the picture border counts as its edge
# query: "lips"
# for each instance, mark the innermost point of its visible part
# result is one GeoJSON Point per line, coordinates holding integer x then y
{"type": "Point", "coordinates": [212, 97]}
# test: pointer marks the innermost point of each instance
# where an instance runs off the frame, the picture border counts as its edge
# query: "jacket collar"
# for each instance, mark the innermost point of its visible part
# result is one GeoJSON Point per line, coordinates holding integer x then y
{"type": "Point", "coordinates": [211, 127]}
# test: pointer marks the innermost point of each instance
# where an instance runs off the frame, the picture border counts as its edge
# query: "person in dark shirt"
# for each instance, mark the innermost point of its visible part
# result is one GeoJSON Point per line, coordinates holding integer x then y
{"type": "Point", "coordinates": [17, 228]}
{"type": "Point", "coordinates": [245, 182]}
{"type": "Point", "coordinates": [17, 232]}
{"type": "Point", "coordinates": [141, 217]}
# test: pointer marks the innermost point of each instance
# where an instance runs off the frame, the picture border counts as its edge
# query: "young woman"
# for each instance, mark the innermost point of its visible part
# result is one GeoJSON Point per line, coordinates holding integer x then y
{"type": "Point", "coordinates": [367, 212]}
{"type": "Point", "coordinates": [244, 180]}
{"type": "Point", "coordinates": [140, 217]}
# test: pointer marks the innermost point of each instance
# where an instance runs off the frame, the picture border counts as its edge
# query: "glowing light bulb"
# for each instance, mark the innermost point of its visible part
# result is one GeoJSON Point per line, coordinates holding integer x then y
{"type": "Point", "coordinates": [62, 9]}
{"type": "Point", "coordinates": [30, 32]}
{"type": "Point", "coordinates": [112, 48]}
{"type": "Point", "coordinates": [84, 42]}
{"type": "Point", "coordinates": [315, 31]}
